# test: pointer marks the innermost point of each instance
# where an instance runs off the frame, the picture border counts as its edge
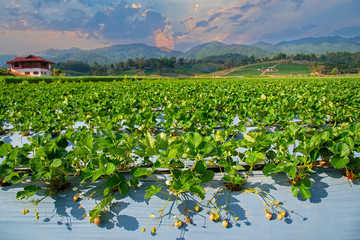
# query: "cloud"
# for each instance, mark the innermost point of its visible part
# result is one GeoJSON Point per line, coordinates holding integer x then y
{"type": "Point", "coordinates": [163, 39]}
{"type": "Point", "coordinates": [202, 23]}
{"type": "Point", "coordinates": [298, 4]}
{"type": "Point", "coordinates": [18, 41]}
{"type": "Point", "coordinates": [136, 6]}
{"type": "Point", "coordinates": [149, 21]}
{"type": "Point", "coordinates": [211, 19]}
{"type": "Point", "coordinates": [247, 6]}
{"type": "Point", "coordinates": [211, 29]}
{"type": "Point", "coordinates": [123, 22]}
{"type": "Point", "coordinates": [235, 18]}
{"type": "Point", "coordinates": [197, 7]}
{"type": "Point", "coordinates": [117, 21]}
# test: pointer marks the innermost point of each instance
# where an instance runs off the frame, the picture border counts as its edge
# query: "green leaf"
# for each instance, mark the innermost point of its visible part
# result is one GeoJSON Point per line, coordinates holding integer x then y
{"type": "Point", "coordinates": [141, 172]}
{"type": "Point", "coordinates": [207, 148]}
{"type": "Point", "coordinates": [56, 163]}
{"type": "Point", "coordinates": [200, 167]}
{"type": "Point", "coordinates": [113, 181]}
{"type": "Point", "coordinates": [36, 164]}
{"type": "Point", "coordinates": [110, 168]}
{"type": "Point", "coordinates": [124, 188]}
{"type": "Point", "coordinates": [198, 190]}
{"type": "Point", "coordinates": [227, 178]}
{"type": "Point", "coordinates": [291, 171]}
{"type": "Point", "coordinates": [325, 135]}
{"type": "Point", "coordinates": [40, 153]}
{"type": "Point", "coordinates": [271, 155]}
{"type": "Point", "coordinates": [306, 183]}
{"type": "Point", "coordinates": [151, 191]}
{"type": "Point", "coordinates": [294, 190]}
{"type": "Point", "coordinates": [238, 168]}
{"type": "Point", "coordinates": [305, 193]}
{"type": "Point", "coordinates": [207, 176]}
{"type": "Point", "coordinates": [134, 182]}
{"type": "Point", "coordinates": [268, 168]}
{"type": "Point", "coordinates": [97, 174]}
{"type": "Point", "coordinates": [343, 149]}
{"type": "Point", "coordinates": [28, 192]}
{"type": "Point", "coordinates": [88, 143]}
{"type": "Point", "coordinates": [195, 139]}
{"type": "Point", "coordinates": [339, 162]}
{"type": "Point", "coordinates": [220, 136]}
{"type": "Point", "coordinates": [354, 127]}
{"type": "Point", "coordinates": [10, 176]}
{"type": "Point", "coordinates": [350, 142]}
{"type": "Point", "coordinates": [238, 179]}
{"type": "Point", "coordinates": [249, 138]}
{"type": "Point", "coordinates": [3, 150]}
{"type": "Point", "coordinates": [172, 154]}
{"type": "Point", "coordinates": [106, 201]}
{"type": "Point", "coordinates": [107, 191]}
{"type": "Point", "coordinates": [162, 139]}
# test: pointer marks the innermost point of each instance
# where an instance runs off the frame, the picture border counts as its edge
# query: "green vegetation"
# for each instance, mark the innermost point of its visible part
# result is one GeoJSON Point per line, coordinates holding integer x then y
{"type": "Point", "coordinates": [281, 68]}
{"type": "Point", "coordinates": [290, 69]}
{"type": "Point", "coordinates": [181, 127]}
{"type": "Point", "coordinates": [244, 72]}
{"type": "Point", "coordinates": [327, 64]}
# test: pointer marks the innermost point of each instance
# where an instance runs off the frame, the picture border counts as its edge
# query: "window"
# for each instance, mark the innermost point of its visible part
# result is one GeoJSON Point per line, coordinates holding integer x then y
{"type": "Point", "coordinates": [43, 64]}
{"type": "Point", "coordinates": [36, 73]}
{"type": "Point", "coordinates": [16, 65]}
{"type": "Point", "coordinates": [27, 73]}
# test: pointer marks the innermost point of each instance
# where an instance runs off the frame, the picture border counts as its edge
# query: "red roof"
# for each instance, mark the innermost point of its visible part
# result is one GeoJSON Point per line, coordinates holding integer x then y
{"type": "Point", "coordinates": [30, 58]}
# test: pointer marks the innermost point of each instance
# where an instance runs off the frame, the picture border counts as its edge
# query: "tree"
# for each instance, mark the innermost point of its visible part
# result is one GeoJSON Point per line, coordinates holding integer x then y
{"type": "Point", "coordinates": [334, 71]}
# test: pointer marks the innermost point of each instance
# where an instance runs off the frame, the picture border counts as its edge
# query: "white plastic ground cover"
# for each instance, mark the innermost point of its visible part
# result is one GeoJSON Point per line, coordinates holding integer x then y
{"type": "Point", "coordinates": [332, 212]}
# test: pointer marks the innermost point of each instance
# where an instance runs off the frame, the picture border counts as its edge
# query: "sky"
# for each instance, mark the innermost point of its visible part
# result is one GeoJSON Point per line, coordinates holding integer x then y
{"type": "Point", "coordinates": [29, 26]}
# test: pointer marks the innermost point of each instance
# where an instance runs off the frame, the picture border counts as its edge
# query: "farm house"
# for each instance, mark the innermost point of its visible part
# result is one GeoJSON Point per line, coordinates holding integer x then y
{"type": "Point", "coordinates": [30, 66]}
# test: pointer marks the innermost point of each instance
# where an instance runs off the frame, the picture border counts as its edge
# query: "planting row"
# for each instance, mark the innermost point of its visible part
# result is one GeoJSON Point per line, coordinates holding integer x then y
{"type": "Point", "coordinates": [186, 105]}
{"type": "Point", "coordinates": [49, 165]}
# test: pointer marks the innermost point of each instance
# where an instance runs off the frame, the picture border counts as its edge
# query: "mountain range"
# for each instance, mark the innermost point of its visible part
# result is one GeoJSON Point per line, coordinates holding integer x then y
{"type": "Point", "coordinates": [118, 53]}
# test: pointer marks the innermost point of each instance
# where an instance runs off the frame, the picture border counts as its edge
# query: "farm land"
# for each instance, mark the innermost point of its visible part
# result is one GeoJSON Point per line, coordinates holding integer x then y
{"type": "Point", "coordinates": [124, 130]}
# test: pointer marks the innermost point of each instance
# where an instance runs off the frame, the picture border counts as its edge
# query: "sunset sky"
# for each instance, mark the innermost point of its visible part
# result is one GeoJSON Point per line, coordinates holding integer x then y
{"type": "Point", "coordinates": [28, 26]}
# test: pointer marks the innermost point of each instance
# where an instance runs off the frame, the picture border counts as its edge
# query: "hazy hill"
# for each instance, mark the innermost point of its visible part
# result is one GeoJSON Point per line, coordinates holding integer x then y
{"type": "Point", "coordinates": [4, 59]}
{"type": "Point", "coordinates": [112, 54]}
{"type": "Point", "coordinates": [118, 53]}
{"type": "Point", "coordinates": [318, 45]}
{"type": "Point", "coordinates": [217, 49]}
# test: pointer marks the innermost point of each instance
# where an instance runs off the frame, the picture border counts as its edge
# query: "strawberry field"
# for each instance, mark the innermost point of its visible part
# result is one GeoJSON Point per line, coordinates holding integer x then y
{"type": "Point", "coordinates": [97, 143]}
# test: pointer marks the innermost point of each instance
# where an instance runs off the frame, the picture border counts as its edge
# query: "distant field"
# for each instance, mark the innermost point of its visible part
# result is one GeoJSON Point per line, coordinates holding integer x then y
{"type": "Point", "coordinates": [290, 68]}
{"type": "Point", "coordinates": [282, 69]}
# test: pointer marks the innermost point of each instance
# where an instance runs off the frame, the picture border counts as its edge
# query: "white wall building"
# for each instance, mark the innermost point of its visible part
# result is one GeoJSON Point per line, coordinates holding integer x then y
{"type": "Point", "coordinates": [30, 66]}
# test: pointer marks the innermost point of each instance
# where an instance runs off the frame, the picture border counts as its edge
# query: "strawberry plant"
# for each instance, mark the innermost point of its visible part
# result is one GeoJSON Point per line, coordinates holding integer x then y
{"type": "Point", "coordinates": [189, 129]}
